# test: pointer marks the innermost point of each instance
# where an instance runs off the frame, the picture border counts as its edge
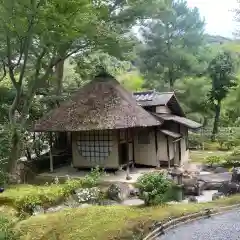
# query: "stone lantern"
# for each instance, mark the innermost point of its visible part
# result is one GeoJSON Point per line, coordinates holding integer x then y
{"type": "Point", "coordinates": [177, 177]}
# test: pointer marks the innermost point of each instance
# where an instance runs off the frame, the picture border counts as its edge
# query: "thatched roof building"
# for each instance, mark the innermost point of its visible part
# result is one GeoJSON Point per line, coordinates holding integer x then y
{"type": "Point", "coordinates": [101, 104]}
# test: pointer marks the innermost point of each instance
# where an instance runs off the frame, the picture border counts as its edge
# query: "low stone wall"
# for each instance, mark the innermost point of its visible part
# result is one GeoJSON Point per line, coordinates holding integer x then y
{"type": "Point", "coordinates": [161, 228]}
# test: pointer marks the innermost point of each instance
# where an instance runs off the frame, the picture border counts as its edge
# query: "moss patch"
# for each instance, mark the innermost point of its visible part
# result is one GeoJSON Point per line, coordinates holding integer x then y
{"type": "Point", "coordinates": [114, 222]}
{"type": "Point", "coordinates": [23, 196]}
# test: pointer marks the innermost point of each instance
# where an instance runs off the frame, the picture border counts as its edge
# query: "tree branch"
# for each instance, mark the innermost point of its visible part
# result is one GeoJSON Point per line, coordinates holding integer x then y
{"type": "Point", "coordinates": [4, 71]}
{"type": "Point", "coordinates": [10, 64]}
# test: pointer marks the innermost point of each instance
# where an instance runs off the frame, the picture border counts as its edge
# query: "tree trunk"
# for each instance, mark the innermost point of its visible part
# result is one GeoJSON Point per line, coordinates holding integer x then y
{"type": "Point", "coordinates": [216, 120]}
{"type": "Point", "coordinates": [170, 76]}
{"type": "Point", "coordinates": [15, 153]}
{"type": "Point", "coordinates": [59, 77]}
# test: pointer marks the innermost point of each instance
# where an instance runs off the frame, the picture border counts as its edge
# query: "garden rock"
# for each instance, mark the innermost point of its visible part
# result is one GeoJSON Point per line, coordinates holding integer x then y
{"type": "Point", "coordinates": [108, 202]}
{"type": "Point", "coordinates": [192, 186]}
{"type": "Point", "coordinates": [119, 192]}
{"type": "Point", "coordinates": [134, 192]}
{"type": "Point", "coordinates": [213, 185]}
{"type": "Point", "coordinates": [220, 170]}
{"type": "Point", "coordinates": [236, 175]}
{"type": "Point", "coordinates": [36, 210]}
{"type": "Point", "coordinates": [217, 195]}
{"type": "Point", "coordinates": [192, 199]}
{"type": "Point", "coordinates": [206, 167]}
{"type": "Point", "coordinates": [55, 209]}
{"type": "Point", "coordinates": [72, 202]}
{"type": "Point", "coordinates": [229, 188]}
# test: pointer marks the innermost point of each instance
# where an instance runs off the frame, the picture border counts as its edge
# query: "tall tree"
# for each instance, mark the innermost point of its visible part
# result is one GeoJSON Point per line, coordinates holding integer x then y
{"type": "Point", "coordinates": [171, 41]}
{"type": "Point", "coordinates": [193, 95]}
{"type": "Point", "coordinates": [221, 71]}
{"type": "Point", "coordinates": [35, 37]}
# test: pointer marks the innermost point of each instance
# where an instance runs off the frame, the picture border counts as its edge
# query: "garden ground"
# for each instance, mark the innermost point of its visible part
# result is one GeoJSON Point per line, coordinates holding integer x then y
{"type": "Point", "coordinates": [97, 223]}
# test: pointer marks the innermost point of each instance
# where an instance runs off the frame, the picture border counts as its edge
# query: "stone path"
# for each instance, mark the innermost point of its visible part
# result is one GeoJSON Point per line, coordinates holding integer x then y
{"type": "Point", "coordinates": [219, 227]}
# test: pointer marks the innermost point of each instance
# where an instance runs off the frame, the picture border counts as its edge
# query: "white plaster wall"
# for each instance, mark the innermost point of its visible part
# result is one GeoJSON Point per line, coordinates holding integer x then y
{"type": "Point", "coordinates": [145, 154]}
{"type": "Point", "coordinates": [81, 162]}
{"type": "Point", "coordinates": [162, 147]}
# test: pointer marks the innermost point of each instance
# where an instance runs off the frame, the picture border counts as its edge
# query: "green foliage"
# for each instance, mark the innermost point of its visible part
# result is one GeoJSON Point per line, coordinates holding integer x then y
{"type": "Point", "coordinates": [131, 81]}
{"type": "Point", "coordinates": [195, 141]}
{"type": "Point", "coordinates": [171, 42]}
{"type": "Point", "coordinates": [211, 160]}
{"type": "Point", "coordinates": [6, 229]}
{"type": "Point", "coordinates": [233, 159]}
{"type": "Point", "coordinates": [92, 179]}
{"type": "Point", "coordinates": [192, 92]}
{"type": "Point", "coordinates": [154, 188]}
{"type": "Point", "coordinates": [221, 71]}
{"type": "Point", "coordinates": [25, 197]}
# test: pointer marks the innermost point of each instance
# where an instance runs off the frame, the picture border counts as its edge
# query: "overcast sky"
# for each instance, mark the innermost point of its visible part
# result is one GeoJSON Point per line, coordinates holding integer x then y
{"type": "Point", "coordinates": [218, 15]}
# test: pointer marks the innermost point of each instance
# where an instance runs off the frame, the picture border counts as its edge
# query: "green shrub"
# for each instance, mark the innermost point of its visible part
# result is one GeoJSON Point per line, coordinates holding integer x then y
{"type": "Point", "coordinates": [211, 160]}
{"type": "Point", "coordinates": [195, 141]}
{"type": "Point", "coordinates": [233, 159]}
{"type": "Point", "coordinates": [25, 197]}
{"type": "Point", "coordinates": [155, 188]}
{"type": "Point", "coordinates": [92, 179]}
{"type": "Point", "coordinates": [6, 229]}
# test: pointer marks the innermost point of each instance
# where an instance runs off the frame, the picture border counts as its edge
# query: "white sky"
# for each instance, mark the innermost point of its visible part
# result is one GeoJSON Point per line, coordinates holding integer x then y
{"type": "Point", "coordinates": [217, 14]}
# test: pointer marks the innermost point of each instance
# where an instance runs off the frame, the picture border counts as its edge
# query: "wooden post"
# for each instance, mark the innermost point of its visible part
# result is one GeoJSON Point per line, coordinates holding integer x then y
{"type": "Point", "coordinates": [168, 153]}
{"type": "Point", "coordinates": [50, 152]}
{"type": "Point", "coordinates": [156, 146]}
{"type": "Point", "coordinates": [128, 164]}
{"type": "Point", "coordinates": [133, 149]}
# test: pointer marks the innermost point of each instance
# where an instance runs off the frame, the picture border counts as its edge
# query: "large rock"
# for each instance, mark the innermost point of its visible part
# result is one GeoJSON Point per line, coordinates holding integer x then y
{"type": "Point", "coordinates": [213, 185]}
{"type": "Point", "coordinates": [229, 188]}
{"type": "Point", "coordinates": [236, 175]}
{"type": "Point", "coordinates": [192, 186]}
{"type": "Point", "coordinates": [119, 192]}
{"type": "Point", "coordinates": [217, 195]}
{"type": "Point", "coordinates": [36, 210]}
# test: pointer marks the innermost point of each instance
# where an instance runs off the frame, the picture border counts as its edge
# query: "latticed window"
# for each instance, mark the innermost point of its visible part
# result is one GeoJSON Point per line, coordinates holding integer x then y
{"type": "Point", "coordinates": [95, 146]}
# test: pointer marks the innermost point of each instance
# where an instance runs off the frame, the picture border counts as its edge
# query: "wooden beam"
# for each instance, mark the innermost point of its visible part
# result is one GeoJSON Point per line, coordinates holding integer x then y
{"type": "Point", "coordinates": [156, 146]}
{"type": "Point", "coordinates": [133, 147]}
{"type": "Point", "coordinates": [128, 159]}
{"type": "Point", "coordinates": [168, 154]}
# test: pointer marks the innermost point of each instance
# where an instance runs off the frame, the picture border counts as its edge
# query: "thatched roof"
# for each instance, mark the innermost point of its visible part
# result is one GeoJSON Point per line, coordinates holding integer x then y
{"type": "Point", "coordinates": [101, 104]}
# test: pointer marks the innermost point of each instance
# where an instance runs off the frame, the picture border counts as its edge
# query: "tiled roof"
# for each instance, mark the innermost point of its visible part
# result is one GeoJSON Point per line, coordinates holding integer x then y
{"type": "Point", "coordinates": [153, 98]}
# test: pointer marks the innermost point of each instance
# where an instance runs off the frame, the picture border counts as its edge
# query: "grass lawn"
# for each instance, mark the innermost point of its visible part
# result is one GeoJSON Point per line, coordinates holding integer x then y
{"type": "Point", "coordinates": [98, 223]}
{"type": "Point", "coordinates": [200, 156]}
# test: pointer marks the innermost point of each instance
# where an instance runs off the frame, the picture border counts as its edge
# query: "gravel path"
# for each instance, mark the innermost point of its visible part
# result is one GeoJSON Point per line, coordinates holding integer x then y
{"type": "Point", "coordinates": [219, 227]}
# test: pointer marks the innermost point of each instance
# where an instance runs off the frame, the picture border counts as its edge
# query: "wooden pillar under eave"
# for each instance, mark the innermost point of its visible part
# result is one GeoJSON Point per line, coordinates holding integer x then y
{"type": "Point", "coordinates": [50, 152]}
{"type": "Point", "coordinates": [156, 147]}
{"type": "Point", "coordinates": [168, 154]}
{"type": "Point", "coordinates": [128, 177]}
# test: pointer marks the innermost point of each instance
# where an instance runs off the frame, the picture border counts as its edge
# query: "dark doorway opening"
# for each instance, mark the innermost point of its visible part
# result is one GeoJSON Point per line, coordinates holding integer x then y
{"type": "Point", "coordinates": [123, 153]}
